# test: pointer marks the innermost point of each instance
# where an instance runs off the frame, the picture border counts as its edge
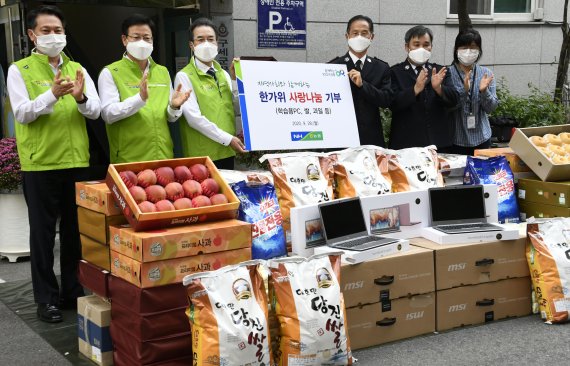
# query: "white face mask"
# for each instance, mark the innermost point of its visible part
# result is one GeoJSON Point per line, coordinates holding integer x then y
{"type": "Point", "coordinates": [468, 56]}
{"type": "Point", "coordinates": [140, 50]}
{"type": "Point", "coordinates": [419, 56]}
{"type": "Point", "coordinates": [206, 51]}
{"type": "Point", "coordinates": [359, 43]}
{"type": "Point", "coordinates": [51, 44]}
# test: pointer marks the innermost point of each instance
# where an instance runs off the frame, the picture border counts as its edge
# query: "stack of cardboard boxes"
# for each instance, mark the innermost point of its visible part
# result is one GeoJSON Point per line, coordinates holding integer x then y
{"type": "Point", "coordinates": [547, 195]}
{"type": "Point", "coordinates": [147, 261]}
{"type": "Point", "coordinates": [96, 211]}
{"type": "Point", "coordinates": [478, 283]}
{"type": "Point", "coordinates": [150, 266]}
{"type": "Point", "coordinates": [389, 298]}
{"type": "Point", "coordinates": [543, 199]}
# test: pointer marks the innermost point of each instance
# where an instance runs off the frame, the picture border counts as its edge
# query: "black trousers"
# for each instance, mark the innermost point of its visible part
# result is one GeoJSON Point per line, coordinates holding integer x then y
{"type": "Point", "coordinates": [50, 194]}
{"type": "Point", "coordinates": [226, 163]}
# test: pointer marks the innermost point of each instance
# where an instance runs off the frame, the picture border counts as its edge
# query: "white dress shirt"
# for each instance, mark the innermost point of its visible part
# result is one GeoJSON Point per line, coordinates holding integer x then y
{"type": "Point", "coordinates": [113, 110]}
{"type": "Point", "coordinates": [27, 111]}
{"type": "Point", "coordinates": [192, 112]}
{"type": "Point", "coordinates": [354, 58]}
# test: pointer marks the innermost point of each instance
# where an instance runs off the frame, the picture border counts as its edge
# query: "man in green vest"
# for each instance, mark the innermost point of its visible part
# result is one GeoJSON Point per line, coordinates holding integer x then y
{"type": "Point", "coordinates": [51, 96]}
{"type": "Point", "coordinates": [209, 126]}
{"type": "Point", "coordinates": [137, 98]}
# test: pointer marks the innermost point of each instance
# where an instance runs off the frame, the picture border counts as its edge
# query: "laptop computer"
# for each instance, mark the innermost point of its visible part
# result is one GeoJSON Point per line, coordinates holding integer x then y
{"type": "Point", "coordinates": [385, 220]}
{"type": "Point", "coordinates": [459, 209]}
{"type": "Point", "coordinates": [344, 226]}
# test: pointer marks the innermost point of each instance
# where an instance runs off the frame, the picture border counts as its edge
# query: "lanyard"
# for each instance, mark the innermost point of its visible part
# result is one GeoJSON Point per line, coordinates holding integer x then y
{"type": "Point", "coordinates": [472, 86]}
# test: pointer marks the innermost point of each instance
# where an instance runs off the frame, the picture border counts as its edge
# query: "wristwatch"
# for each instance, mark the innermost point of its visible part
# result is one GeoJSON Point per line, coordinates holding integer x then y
{"type": "Point", "coordinates": [84, 100]}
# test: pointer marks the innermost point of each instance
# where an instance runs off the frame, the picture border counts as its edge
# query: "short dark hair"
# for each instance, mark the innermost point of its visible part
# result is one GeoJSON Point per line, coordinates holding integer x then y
{"type": "Point", "coordinates": [202, 22]}
{"type": "Point", "coordinates": [418, 31]}
{"type": "Point", "coordinates": [33, 15]}
{"type": "Point", "coordinates": [136, 19]}
{"type": "Point", "coordinates": [360, 17]}
{"type": "Point", "coordinates": [465, 38]}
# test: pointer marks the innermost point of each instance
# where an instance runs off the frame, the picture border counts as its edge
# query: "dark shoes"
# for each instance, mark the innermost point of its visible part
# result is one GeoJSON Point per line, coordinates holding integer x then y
{"type": "Point", "coordinates": [49, 313]}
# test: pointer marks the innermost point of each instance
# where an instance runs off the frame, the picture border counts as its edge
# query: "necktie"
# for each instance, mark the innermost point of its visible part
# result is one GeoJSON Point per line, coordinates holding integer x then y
{"type": "Point", "coordinates": [359, 65]}
{"type": "Point", "coordinates": [212, 73]}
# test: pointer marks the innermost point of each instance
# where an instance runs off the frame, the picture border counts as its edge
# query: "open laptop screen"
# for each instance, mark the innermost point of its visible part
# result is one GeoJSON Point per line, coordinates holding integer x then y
{"type": "Point", "coordinates": [457, 203]}
{"type": "Point", "coordinates": [341, 218]}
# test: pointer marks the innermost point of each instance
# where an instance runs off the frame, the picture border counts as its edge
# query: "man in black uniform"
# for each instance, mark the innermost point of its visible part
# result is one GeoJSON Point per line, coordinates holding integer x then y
{"type": "Point", "coordinates": [370, 80]}
{"type": "Point", "coordinates": [423, 94]}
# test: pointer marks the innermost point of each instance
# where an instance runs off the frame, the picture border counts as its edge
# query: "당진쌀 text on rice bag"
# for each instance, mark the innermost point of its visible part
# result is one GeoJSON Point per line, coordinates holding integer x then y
{"type": "Point", "coordinates": [300, 179]}
{"type": "Point", "coordinates": [228, 316]}
{"type": "Point", "coordinates": [413, 169]}
{"type": "Point", "coordinates": [548, 256]}
{"type": "Point", "coordinates": [259, 206]}
{"type": "Point", "coordinates": [310, 308]}
{"type": "Point", "coordinates": [495, 170]}
{"type": "Point", "coordinates": [357, 173]}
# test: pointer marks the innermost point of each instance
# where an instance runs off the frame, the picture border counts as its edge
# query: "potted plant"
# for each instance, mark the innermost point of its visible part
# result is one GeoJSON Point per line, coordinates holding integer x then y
{"type": "Point", "coordinates": [10, 175]}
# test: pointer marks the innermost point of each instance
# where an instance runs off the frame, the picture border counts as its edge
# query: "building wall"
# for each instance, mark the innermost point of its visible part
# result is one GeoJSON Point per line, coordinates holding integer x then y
{"type": "Point", "coordinates": [521, 52]}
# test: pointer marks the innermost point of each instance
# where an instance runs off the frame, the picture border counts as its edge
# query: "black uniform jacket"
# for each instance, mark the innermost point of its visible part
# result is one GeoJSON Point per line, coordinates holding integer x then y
{"type": "Point", "coordinates": [375, 93]}
{"type": "Point", "coordinates": [424, 119]}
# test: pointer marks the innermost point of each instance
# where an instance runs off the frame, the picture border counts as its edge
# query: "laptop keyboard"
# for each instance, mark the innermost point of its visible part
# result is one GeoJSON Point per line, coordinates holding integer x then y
{"type": "Point", "coordinates": [356, 242]}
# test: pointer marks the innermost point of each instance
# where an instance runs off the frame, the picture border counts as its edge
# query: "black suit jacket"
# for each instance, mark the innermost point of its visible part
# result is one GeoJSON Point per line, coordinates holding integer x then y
{"type": "Point", "coordinates": [424, 119]}
{"type": "Point", "coordinates": [375, 93]}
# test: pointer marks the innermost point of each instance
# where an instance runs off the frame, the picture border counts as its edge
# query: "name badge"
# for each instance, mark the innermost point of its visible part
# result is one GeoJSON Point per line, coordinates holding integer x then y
{"type": "Point", "coordinates": [471, 122]}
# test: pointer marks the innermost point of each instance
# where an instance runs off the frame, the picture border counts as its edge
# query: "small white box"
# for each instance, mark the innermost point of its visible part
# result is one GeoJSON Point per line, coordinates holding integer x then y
{"type": "Point", "coordinates": [354, 257]}
{"type": "Point", "coordinates": [509, 233]}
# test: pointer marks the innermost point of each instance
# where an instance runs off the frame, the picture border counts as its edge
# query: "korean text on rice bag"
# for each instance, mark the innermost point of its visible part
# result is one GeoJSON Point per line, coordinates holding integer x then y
{"type": "Point", "coordinates": [300, 179]}
{"type": "Point", "coordinates": [548, 253]}
{"type": "Point", "coordinates": [414, 168]}
{"type": "Point", "coordinates": [310, 308]}
{"type": "Point", "coordinates": [259, 207]}
{"type": "Point", "coordinates": [495, 170]}
{"type": "Point", "coordinates": [357, 173]}
{"type": "Point", "coordinates": [229, 316]}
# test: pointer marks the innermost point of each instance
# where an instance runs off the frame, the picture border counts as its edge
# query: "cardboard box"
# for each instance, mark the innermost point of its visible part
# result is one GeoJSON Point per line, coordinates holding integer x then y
{"type": "Point", "coordinates": [388, 278]}
{"type": "Point", "coordinates": [151, 325]}
{"type": "Point", "coordinates": [157, 220]}
{"type": "Point", "coordinates": [468, 305]}
{"type": "Point", "coordinates": [94, 278]}
{"type": "Point", "coordinates": [149, 352]}
{"type": "Point", "coordinates": [549, 193]}
{"type": "Point", "coordinates": [147, 300]}
{"type": "Point", "coordinates": [172, 270]}
{"type": "Point", "coordinates": [472, 264]}
{"type": "Point", "coordinates": [96, 225]}
{"type": "Point", "coordinates": [96, 196]}
{"type": "Point", "coordinates": [536, 160]}
{"type": "Point", "coordinates": [380, 323]}
{"type": "Point", "coordinates": [516, 164]}
{"type": "Point", "coordinates": [95, 252]}
{"type": "Point", "coordinates": [93, 321]}
{"type": "Point", "coordinates": [539, 210]}
{"type": "Point", "coordinates": [181, 241]}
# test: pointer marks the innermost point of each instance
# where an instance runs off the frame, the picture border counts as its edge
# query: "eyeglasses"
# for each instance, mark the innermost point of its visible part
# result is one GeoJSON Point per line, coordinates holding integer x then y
{"type": "Point", "coordinates": [137, 38]}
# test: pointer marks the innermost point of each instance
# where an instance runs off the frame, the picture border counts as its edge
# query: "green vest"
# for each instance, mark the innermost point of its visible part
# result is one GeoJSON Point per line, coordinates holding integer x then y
{"type": "Point", "coordinates": [216, 105]}
{"type": "Point", "coordinates": [57, 140]}
{"type": "Point", "coordinates": [144, 135]}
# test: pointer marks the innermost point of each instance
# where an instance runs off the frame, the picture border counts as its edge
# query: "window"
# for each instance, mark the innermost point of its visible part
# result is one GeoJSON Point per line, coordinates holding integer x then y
{"type": "Point", "coordinates": [521, 10]}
